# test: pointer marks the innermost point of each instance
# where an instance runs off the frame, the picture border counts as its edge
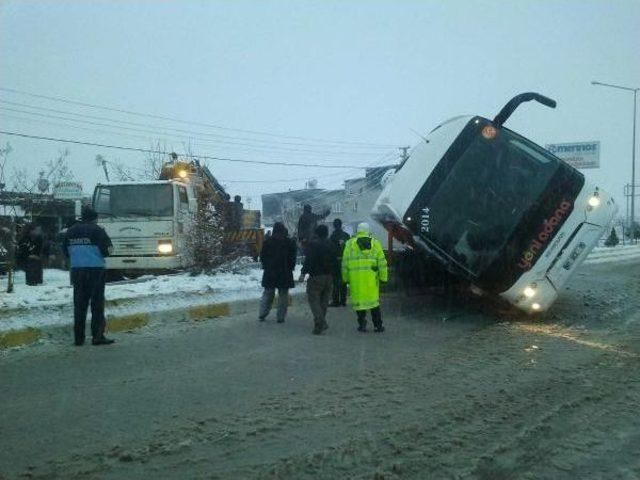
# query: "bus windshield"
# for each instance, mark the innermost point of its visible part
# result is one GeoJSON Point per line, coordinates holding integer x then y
{"type": "Point", "coordinates": [134, 200]}
{"type": "Point", "coordinates": [490, 193]}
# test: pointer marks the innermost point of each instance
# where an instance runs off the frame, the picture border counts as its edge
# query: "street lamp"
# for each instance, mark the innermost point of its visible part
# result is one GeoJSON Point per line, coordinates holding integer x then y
{"type": "Point", "coordinates": [633, 149]}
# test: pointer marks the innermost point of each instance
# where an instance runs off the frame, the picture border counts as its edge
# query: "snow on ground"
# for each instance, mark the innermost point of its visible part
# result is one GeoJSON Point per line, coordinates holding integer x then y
{"type": "Point", "coordinates": [56, 289]}
{"type": "Point", "coordinates": [50, 303]}
{"type": "Point", "coordinates": [616, 254]}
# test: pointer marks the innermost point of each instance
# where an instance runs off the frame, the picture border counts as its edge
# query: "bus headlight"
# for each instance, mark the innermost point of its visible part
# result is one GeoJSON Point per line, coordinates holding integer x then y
{"type": "Point", "coordinates": [182, 173]}
{"type": "Point", "coordinates": [535, 307]}
{"type": "Point", "coordinates": [165, 246]}
{"type": "Point", "coordinates": [529, 291]}
{"type": "Point", "coordinates": [594, 201]}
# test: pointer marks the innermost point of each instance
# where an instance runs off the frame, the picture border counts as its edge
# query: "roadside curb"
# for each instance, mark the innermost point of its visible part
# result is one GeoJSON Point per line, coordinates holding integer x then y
{"type": "Point", "coordinates": [17, 338]}
{"type": "Point", "coordinates": [133, 321]}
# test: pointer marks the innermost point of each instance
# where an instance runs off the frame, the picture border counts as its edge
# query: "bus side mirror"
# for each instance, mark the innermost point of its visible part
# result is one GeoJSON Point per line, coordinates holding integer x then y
{"type": "Point", "coordinates": [510, 107]}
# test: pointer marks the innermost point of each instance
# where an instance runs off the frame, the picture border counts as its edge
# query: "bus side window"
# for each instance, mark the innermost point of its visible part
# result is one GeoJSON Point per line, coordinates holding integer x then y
{"type": "Point", "coordinates": [184, 200]}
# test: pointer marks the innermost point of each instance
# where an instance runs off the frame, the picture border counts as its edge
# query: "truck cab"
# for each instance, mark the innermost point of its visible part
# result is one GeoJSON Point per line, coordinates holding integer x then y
{"type": "Point", "coordinates": [147, 223]}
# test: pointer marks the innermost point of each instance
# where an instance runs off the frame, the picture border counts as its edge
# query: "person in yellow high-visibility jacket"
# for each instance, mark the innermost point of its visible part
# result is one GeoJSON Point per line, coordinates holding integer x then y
{"type": "Point", "coordinates": [364, 266]}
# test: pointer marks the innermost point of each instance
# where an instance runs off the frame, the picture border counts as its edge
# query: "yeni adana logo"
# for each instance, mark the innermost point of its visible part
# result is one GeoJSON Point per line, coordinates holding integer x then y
{"type": "Point", "coordinates": [549, 227]}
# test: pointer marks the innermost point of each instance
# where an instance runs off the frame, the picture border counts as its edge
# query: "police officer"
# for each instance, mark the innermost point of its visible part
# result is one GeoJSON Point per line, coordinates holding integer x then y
{"type": "Point", "coordinates": [364, 266]}
{"type": "Point", "coordinates": [86, 244]}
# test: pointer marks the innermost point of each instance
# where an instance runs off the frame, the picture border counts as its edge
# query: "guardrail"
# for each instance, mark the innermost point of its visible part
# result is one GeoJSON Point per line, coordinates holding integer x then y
{"type": "Point", "coordinates": [613, 254]}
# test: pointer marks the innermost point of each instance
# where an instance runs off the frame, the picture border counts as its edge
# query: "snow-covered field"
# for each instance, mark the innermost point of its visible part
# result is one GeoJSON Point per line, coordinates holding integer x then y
{"type": "Point", "coordinates": [57, 291]}
{"type": "Point", "coordinates": [615, 254]}
{"type": "Point", "coordinates": [50, 304]}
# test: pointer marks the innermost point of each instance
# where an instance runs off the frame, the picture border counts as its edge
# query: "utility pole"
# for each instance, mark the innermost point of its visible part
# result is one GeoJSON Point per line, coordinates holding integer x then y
{"type": "Point", "coordinates": [633, 151]}
{"type": "Point", "coordinates": [633, 167]}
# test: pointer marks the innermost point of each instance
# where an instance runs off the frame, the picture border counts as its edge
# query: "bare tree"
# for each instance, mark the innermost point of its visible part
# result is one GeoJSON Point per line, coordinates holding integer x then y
{"type": "Point", "coordinates": [157, 156]}
{"type": "Point", "coordinates": [55, 171]}
{"type": "Point", "coordinates": [154, 161]}
{"type": "Point", "coordinates": [204, 246]}
{"type": "Point", "coordinates": [123, 173]}
{"type": "Point", "coordinates": [22, 181]}
{"type": "Point", "coordinates": [188, 150]}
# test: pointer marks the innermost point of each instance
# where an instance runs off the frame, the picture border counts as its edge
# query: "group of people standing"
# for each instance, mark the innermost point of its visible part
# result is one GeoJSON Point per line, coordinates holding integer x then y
{"type": "Point", "coordinates": [332, 266]}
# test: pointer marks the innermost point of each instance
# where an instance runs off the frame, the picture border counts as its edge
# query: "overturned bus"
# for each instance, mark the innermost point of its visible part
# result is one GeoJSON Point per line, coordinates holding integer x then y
{"type": "Point", "coordinates": [495, 209]}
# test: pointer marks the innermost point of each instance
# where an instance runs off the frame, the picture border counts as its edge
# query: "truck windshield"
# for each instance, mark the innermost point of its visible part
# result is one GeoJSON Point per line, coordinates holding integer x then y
{"type": "Point", "coordinates": [487, 198]}
{"type": "Point", "coordinates": [134, 200]}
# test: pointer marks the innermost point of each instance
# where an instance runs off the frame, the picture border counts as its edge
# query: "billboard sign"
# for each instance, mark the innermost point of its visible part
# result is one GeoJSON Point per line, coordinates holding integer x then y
{"type": "Point", "coordinates": [67, 191]}
{"type": "Point", "coordinates": [577, 154]}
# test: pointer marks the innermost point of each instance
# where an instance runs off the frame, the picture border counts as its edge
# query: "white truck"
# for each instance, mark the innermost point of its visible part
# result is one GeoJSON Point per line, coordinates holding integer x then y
{"type": "Point", "coordinates": [495, 209]}
{"type": "Point", "coordinates": [149, 222]}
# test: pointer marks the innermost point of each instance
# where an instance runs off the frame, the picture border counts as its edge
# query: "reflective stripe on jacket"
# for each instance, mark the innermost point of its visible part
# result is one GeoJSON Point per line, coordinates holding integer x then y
{"type": "Point", "coordinates": [363, 269]}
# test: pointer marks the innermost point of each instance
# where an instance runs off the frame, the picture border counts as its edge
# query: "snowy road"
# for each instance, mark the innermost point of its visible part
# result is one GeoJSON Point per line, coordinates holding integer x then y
{"type": "Point", "coordinates": [447, 392]}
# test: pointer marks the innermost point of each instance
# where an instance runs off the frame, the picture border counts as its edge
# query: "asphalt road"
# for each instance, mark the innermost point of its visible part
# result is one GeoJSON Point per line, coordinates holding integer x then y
{"type": "Point", "coordinates": [450, 390]}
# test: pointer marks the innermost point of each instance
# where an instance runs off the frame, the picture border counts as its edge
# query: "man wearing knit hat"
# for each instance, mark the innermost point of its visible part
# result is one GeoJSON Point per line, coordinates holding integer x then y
{"type": "Point", "coordinates": [364, 266]}
{"type": "Point", "coordinates": [86, 244]}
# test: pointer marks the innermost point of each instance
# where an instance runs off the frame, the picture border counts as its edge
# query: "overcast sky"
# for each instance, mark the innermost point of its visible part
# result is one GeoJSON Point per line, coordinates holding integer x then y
{"type": "Point", "coordinates": [360, 72]}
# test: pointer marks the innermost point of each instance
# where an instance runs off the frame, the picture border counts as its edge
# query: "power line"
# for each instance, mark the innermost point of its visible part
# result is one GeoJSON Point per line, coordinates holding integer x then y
{"type": "Point", "coordinates": [267, 144]}
{"type": "Point", "coordinates": [383, 160]}
{"type": "Point", "coordinates": [148, 150]}
{"type": "Point", "coordinates": [327, 193]}
{"type": "Point", "coordinates": [367, 189]}
{"type": "Point", "coordinates": [77, 127]}
{"type": "Point", "coordinates": [172, 119]}
{"type": "Point", "coordinates": [138, 136]}
{"type": "Point", "coordinates": [56, 117]}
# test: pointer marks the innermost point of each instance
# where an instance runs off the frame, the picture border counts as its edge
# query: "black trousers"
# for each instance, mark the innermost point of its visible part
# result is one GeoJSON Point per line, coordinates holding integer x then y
{"type": "Point", "coordinates": [88, 288]}
{"type": "Point", "coordinates": [339, 296]}
{"type": "Point", "coordinates": [376, 317]}
{"type": "Point", "coordinates": [33, 271]}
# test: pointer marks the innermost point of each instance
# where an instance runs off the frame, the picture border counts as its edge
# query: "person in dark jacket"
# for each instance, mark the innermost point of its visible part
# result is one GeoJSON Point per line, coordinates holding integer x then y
{"type": "Point", "coordinates": [319, 264]}
{"type": "Point", "coordinates": [278, 258]}
{"type": "Point", "coordinates": [338, 238]}
{"type": "Point", "coordinates": [31, 252]}
{"type": "Point", "coordinates": [86, 245]}
{"type": "Point", "coordinates": [307, 224]}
